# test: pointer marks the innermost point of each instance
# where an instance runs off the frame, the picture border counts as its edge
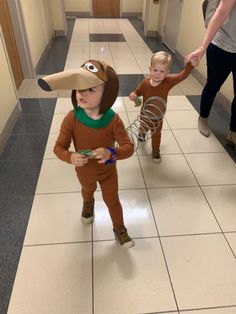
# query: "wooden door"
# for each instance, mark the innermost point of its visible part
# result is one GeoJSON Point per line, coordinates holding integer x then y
{"type": "Point", "coordinates": [10, 42]}
{"type": "Point", "coordinates": [106, 8]}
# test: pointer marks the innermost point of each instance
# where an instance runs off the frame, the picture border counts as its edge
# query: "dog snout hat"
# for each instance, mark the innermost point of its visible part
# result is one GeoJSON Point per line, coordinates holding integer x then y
{"type": "Point", "coordinates": [92, 73]}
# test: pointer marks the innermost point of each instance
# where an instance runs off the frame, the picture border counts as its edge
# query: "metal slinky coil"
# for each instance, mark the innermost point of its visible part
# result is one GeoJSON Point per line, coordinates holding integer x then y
{"type": "Point", "coordinates": [151, 115]}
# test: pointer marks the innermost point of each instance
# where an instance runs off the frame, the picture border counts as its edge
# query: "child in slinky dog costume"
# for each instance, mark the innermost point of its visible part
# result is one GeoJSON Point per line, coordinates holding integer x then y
{"type": "Point", "coordinates": [98, 135]}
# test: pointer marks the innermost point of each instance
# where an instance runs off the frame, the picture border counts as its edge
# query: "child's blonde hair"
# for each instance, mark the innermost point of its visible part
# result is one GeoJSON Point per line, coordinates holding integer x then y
{"type": "Point", "coordinates": [162, 57]}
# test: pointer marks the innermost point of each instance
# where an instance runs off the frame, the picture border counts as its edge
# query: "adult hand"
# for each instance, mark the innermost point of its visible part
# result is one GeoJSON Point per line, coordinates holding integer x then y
{"type": "Point", "coordinates": [198, 54]}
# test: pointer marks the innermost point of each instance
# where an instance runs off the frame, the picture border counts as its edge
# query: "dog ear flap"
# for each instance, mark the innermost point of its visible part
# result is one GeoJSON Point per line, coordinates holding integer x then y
{"type": "Point", "coordinates": [111, 90]}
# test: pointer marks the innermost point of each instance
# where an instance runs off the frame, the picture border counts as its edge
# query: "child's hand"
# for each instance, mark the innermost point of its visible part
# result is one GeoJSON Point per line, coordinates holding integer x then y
{"type": "Point", "coordinates": [194, 61]}
{"type": "Point", "coordinates": [78, 160]}
{"type": "Point", "coordinates": [132, 96]}
{"type": "Point", "coordinates": [102, 154]}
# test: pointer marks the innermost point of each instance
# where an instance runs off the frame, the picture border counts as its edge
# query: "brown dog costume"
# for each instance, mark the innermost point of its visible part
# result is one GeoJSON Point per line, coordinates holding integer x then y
{"type": "Point", "coordinates": [87, 133]}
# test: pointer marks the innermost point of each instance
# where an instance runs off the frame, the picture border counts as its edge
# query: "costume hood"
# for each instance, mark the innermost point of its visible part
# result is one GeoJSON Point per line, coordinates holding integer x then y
{"type": "Point", "coordinates": [90, 74]}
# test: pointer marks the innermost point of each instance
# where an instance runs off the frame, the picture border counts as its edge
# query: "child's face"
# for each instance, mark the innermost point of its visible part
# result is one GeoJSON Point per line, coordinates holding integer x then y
{"type": "Point", "coordinates": [90, 98]}
{"type": "Point", "coordinates": [159, 71]}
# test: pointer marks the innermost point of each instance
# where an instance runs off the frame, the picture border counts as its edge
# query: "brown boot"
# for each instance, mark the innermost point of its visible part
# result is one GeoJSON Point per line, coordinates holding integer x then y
{"type": "Point", "coordinates": [87, 215]}
{"type": "Point", "coordinates": [203, 126]}
{"type": "Point", "coordinates": [231, 139]}
{"type": "Point", "coordinates": [156, 157]}
{"type": "Point", "coordinates": [123, 238]}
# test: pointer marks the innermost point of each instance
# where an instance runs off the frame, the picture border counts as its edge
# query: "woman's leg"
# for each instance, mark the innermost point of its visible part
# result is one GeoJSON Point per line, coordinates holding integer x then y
{"type": "Point", "coordinates": [233, 106]}
{"type": "Point", "coordinates": [218, 69]}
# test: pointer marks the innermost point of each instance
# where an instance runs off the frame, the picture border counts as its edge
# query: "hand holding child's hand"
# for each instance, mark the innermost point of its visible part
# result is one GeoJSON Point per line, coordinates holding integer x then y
{"type": "Point", "coordinates": [132, 96]}
{"type": "Point", "coordinates": [194, 61]}
{"type": "Point", "coordinates": [78, 160]}
{"type": "Point", "coordinates": [102, 154]}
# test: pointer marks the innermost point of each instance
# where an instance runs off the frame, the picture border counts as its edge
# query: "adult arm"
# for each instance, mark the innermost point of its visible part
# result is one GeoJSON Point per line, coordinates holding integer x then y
{"type": "Point", "coordinates": [221, 13]}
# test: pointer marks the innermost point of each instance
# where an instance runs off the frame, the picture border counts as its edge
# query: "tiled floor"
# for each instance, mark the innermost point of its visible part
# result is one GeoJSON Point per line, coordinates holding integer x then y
{"type": "Point", "coordinates": [180, 212]}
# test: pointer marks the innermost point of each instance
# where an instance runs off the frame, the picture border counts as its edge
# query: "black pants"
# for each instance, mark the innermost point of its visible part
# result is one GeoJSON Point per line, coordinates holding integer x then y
{"type": "Point", "coordinates": [220, 64]}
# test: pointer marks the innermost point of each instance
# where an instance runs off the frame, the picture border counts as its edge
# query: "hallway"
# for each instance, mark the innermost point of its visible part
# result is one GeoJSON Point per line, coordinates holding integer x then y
{"type": "Point", "coordinates": [181, 212]}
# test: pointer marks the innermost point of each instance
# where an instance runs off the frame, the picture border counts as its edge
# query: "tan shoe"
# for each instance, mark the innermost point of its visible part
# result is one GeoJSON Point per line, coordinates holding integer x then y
{"type": "Point", "coordinates": [123, 238]}
{"type": "Point", "coordinates": [203, 126]}
{"type": "Point", "coordinates": [87, 215]}
{"type": "Point", "coordinates": [231, 139]}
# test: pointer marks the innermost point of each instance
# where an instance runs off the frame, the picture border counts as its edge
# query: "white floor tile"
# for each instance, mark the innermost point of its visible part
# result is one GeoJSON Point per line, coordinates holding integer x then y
{"type": "Point", "coordinates": [49, 154]}
{"type": "Point", "coordinates": [63, 105]}
{"type": "Point", "coordinates": [191, 141]}
{"type": "Point", "coordinates": [53, 279]}
{"type": "Point", "coordinates": [56, 218]}
{"type": "Point", "coordinates": [173, 171]}
{"type": "Point", "coordinates": [56, 122]}
{"type": "Point", "coordinates": [182, 119]}
{"type": "Point", "coordinates": [168, 145]}
{"type": "Point", "coordinates": [138, 274]}
{"type": "Point", "coordinates": [182, 211]}
{"type": "Point", "coordinates": [137, 213]}
{"type": "Point", "coordinates": [57, 176]}
{"type": "Point", "coordinates": [222, 200]}
{"type": "Point", "coordinates": [202, 270]}
{"type": "Point", "coordinates": [229, 310]}
{"type": "Point", "coordinates": [231, 237]}
{"type": "Point", "coordinates": [212, 168]}
{"type": "Point", "coordinates": [179, 103]}
{"type": "Point", "coordinates": [129, 174]}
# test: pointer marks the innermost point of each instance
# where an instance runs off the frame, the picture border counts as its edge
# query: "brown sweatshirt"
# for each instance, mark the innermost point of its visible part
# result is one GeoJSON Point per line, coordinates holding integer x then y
{"type": "Point", "coordinates": [85, 137]}
{"type": "Point", "coordinates": [146, 90]}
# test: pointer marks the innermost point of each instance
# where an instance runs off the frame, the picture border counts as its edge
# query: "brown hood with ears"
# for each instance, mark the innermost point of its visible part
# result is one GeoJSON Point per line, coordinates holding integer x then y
{"type": "Point", "coordinates": [90, 74]}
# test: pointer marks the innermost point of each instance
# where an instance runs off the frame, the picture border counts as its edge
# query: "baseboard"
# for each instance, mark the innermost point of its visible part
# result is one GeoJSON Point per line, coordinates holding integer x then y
{"type": "Point", "coordinates": [131, 14]}
{"type": "Point", "coordinates": [74, 14]}
{"type": "Point", "coordinates": [43, 57]}
{"type": "Point", "coordinates": [59, 33]}
{"type": "Point", "coordinates": [4, 135]}
{"type": "Point", "coordinates": [220, 98]}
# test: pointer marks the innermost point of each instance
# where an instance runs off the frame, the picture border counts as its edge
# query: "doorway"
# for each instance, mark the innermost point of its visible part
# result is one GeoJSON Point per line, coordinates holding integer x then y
{"type": "Point", "coordinates": [10, 42]}
{"type": "Point", "coordinates": [171, 30]}
{"type": "Point", "coordinates": [106, 8]}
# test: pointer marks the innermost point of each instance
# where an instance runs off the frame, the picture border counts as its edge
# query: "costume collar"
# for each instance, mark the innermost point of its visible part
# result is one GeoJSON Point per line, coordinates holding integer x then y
{"type": "Point", "coordinates": [83, 118]}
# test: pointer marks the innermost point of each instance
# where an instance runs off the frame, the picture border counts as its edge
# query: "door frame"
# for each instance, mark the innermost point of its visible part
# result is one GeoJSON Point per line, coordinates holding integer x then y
{"type": "Point", "coordinates": [18, 25]}
{"type": "Point", "coordinates": [171, 45]}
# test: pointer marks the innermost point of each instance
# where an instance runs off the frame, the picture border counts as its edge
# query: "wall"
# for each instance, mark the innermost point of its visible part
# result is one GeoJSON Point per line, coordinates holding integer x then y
{"type": "Point", "coordinates": [77, 6]}
{"type": "Point", "coordinates": [7, 89]}
{"type": "Point", "coordinates": [135, 6]}
{"type": "Point", "coordinates": [191, 32]}
{"type": "Point", "coordinates": [38, 24]}
{"type": "Point", "coordinates": [161, 17]}
{"type": "Point", "coordinates": [34, 23]}
{"type": "Point", "coordinates": [131, 6]}
{"type": "Point", "coordinates": [58, 17]}
{"type": "Point", "coordinates": [151, 18]}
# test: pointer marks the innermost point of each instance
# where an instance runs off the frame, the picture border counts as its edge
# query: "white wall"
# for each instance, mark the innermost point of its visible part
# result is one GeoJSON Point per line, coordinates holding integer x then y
{"type": "Point", "coordinates": [7, 90]}
{"type": "Point", "coordinates": [32, 11]}
{"type": "Point", "coordinates": [151, 16]}
{"type": "Point", "coordinates": [85, 6]}
{"type": "Point", "coordinates": [41, 20]}
{"type": "Point", "coordinates": [58, 16]}
{"type": "Point", "coordinates": [131, 6]}
{"type": "Point", "coordinates": [77, 6]}
{"type": "Point", "coordinates": [191, 32]}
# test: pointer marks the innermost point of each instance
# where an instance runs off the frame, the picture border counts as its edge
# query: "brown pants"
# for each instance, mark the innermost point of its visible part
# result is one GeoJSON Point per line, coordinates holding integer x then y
{"type": "Point", "coordinates": [109, 186]}
{"type": "Point", "coordinates": [156, 136]}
